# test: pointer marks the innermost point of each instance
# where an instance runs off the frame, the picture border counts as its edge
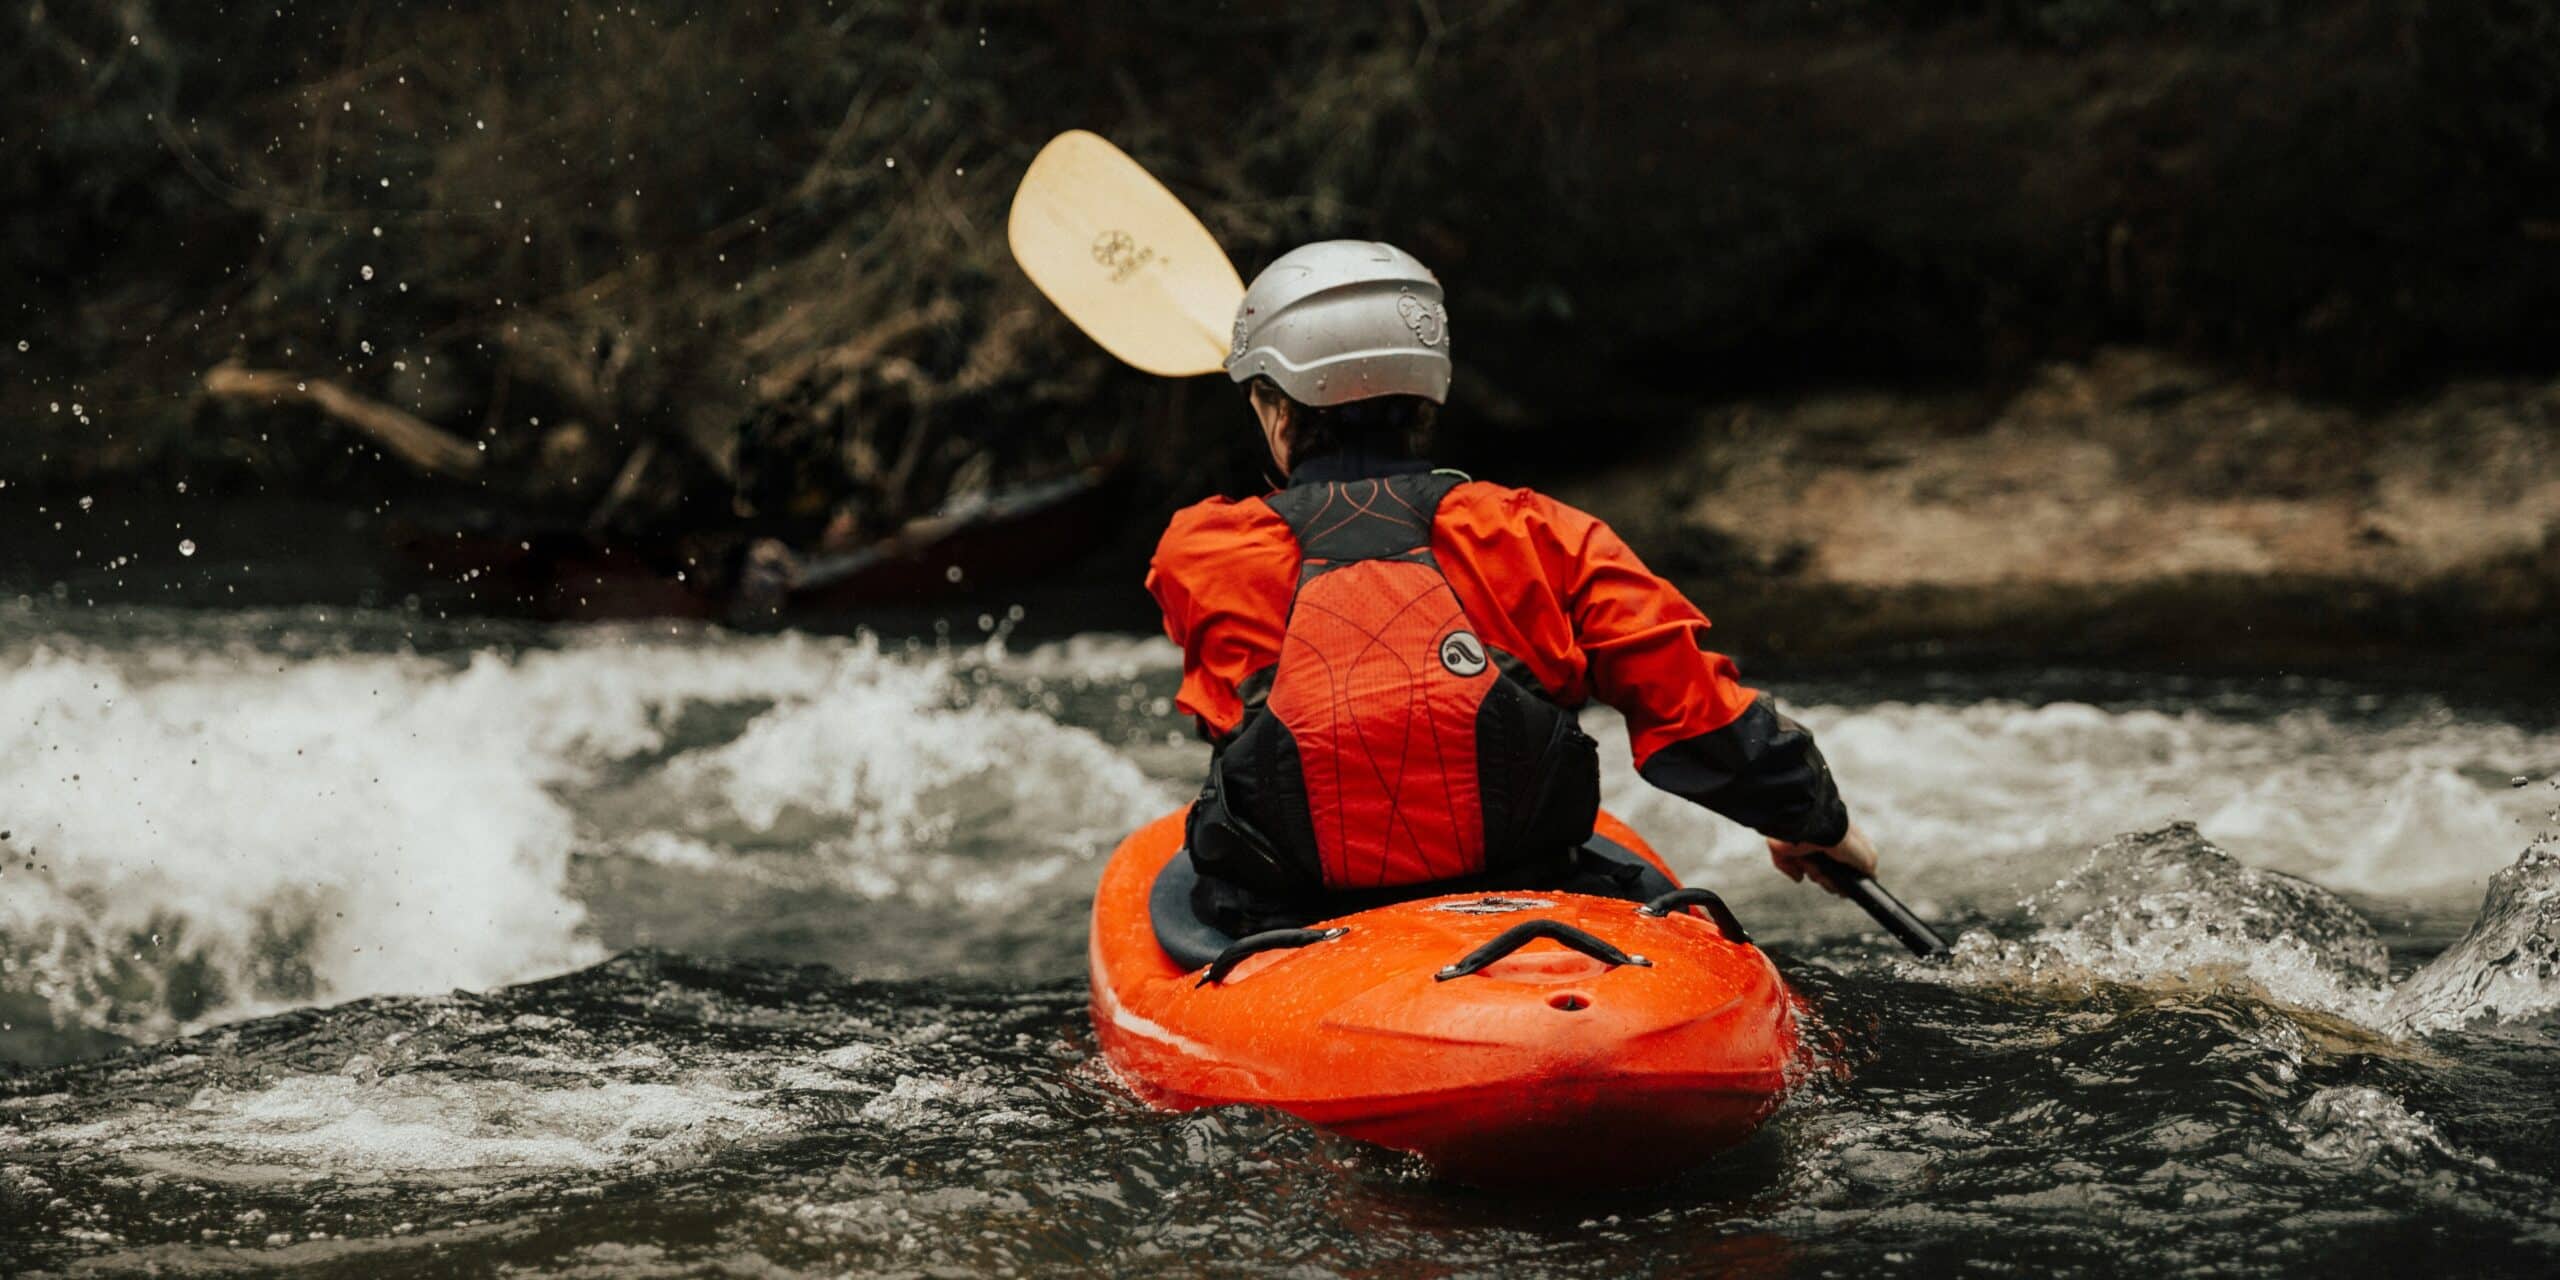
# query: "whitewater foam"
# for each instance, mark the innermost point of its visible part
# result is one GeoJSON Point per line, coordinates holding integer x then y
{"type": "Point", "coordinates": [429, 1124]}
{"type": "Point", "coordinates": [231, 832]}
{"type": "Point", "coordinates": [198, 832]}
{"type": "Point", "coordinates": [888, 759]}
{"type": "Point", "coordinates": [203, 827]}
{"type": "Point", "coordinates": [1975, 802]}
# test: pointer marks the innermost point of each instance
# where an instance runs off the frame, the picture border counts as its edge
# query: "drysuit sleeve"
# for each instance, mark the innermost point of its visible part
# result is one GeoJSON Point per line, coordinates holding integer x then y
{"type": "Point", "coordinates": [1222, 574]}
{"type": "Point", "coordinates": [1697, 732]}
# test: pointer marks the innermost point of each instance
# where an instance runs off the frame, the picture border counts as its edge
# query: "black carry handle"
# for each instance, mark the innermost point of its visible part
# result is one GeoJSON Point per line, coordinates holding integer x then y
{"type": "Point", "coordinates": [1271, 940]}
{"type": "Point", "coordinates": [1682, 899]}
{"type": "Point", "coordinates": [1521, 935]}
{"type": "Point", "coordinates": [1887, 909]}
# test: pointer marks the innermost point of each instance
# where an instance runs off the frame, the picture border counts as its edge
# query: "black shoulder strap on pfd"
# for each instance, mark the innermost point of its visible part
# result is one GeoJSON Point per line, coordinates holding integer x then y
{"type": "Point", "coordinates": [1347, 521]}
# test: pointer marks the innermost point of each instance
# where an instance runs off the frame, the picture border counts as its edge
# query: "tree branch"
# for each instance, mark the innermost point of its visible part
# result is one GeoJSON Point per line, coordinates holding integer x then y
{"type": "Point", "coordinates": [403, 434]}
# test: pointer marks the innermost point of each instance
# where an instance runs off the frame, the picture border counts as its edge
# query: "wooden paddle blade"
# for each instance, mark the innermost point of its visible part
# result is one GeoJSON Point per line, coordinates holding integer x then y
{"type": "Point", "coordinates": [1121, 256]}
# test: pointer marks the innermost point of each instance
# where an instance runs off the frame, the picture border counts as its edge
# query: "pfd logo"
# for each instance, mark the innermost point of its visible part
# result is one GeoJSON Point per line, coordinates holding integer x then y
{"type": "Point", "coordinates": [1462, 654]}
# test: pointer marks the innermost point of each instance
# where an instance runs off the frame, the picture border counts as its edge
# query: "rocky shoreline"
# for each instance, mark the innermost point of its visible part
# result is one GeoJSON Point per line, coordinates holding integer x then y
{"type": "Point", "coordinates": [2134, 505]}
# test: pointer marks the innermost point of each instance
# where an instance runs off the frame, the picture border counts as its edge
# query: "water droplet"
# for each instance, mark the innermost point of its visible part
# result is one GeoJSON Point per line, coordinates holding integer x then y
{"type": "Point", "coordinates": [186, 546]}
{"type": "Point", "coordinates": [2519, 781]}
{"type": "Point", "coordinates": [87, 502]}
{"type": "Point", "coordinates": [951, 574]}
{"type": "Point", "coordinates": [893, 162]}
{"type": "Point", "coordinates": [22, 344]}
{"type": "Point", "coordinates": [367, 272]}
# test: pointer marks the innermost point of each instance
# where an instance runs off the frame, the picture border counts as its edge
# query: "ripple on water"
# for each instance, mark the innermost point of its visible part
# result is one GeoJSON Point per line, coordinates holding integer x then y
{"type": "Point", "coordinates": [682, 1116]}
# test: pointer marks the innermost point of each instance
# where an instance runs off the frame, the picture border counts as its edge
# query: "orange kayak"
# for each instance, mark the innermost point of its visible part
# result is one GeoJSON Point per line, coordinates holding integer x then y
{"type": "Point", "coordinates": [1519, 1038]}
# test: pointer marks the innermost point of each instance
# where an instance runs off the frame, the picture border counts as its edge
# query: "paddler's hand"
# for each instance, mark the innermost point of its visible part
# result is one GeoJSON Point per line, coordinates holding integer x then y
{"type": "Point", "coordinates": [1795, 861]}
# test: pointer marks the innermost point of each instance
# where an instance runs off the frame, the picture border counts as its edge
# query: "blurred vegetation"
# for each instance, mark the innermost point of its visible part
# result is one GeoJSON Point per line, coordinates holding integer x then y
{"type": "Point", "coordinates": [745, 263]}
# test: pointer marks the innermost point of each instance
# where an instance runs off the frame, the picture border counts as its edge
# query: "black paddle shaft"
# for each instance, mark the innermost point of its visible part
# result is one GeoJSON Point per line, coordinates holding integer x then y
{"type": "Point", "coordinates": [1887, 909]}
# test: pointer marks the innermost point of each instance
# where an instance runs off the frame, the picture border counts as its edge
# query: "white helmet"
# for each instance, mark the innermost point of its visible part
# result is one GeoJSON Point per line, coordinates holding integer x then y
{"type": "Point", "coordinates": [1344, 320]}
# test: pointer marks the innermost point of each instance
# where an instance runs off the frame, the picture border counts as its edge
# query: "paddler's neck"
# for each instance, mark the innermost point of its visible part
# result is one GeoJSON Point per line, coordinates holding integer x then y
{"type": "Point", "coordinates": [1354, 464]}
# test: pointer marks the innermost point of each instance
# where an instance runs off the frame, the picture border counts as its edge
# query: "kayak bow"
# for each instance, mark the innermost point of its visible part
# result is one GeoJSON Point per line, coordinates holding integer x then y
{"type": "Point", "coordinates": [1523, 1038]}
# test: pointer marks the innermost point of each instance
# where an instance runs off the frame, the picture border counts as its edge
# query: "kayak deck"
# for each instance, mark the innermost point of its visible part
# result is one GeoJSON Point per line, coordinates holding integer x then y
{"type": "Point", "coordinates": [1547, 1064]}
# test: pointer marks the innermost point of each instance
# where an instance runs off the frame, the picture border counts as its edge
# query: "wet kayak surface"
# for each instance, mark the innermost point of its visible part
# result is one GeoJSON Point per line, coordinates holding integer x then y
{"type": "Point", "coordinates": [350, 942]}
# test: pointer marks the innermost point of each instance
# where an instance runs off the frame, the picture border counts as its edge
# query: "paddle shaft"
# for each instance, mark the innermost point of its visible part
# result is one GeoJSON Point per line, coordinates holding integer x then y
{"type": "Point", "coordinates": [1861, 888]}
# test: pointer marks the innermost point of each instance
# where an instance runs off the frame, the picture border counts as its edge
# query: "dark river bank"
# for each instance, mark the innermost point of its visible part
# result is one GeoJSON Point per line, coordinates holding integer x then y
{"type": "Point", "coordinates": [360, 941]}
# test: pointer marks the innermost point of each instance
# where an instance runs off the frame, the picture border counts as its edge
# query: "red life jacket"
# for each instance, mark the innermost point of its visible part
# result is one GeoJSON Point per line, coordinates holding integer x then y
{"type": "Point", "coordinates": [1389, 747]}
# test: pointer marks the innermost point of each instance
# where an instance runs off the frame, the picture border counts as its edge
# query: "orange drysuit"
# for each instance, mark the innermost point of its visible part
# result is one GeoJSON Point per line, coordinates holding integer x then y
{"type": "Point", "coordinates": [1547, 587]}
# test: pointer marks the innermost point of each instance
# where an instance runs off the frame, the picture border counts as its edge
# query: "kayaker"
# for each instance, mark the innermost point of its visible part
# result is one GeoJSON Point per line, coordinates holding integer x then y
{"type": "Point", "coordinates": [1386, 656]}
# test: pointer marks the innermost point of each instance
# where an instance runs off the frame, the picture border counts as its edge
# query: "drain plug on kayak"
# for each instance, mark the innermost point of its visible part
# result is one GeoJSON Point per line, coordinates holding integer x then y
{"type": "Point", "coordinates": [1568, 1001]}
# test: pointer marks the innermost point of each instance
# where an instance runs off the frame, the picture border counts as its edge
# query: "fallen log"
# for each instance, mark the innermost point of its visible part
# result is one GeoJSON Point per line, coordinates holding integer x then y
{"type": "Point", "coordinates": [405, 435]}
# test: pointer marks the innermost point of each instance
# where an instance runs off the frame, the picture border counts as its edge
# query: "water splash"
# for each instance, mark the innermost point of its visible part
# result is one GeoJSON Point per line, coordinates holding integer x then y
{"type": "Point", "coordinates": [2506, 968]}
{"type": "Point", "coordinates": [2362, 1125]}
{"type": "Point", "coordinates": [2170, 906]}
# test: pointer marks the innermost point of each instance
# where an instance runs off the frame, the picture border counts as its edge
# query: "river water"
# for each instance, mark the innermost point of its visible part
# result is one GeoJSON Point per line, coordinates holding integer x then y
{"type": "Point", "coordinates": [349, 942]}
